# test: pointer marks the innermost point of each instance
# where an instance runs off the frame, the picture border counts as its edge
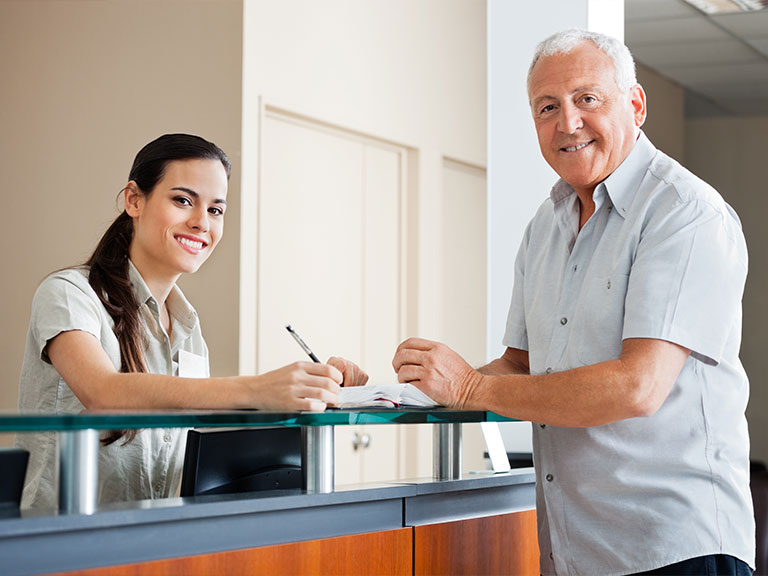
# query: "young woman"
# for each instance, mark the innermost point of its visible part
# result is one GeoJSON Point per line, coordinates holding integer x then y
{"type": "Point", "coordinates": [117, 333]}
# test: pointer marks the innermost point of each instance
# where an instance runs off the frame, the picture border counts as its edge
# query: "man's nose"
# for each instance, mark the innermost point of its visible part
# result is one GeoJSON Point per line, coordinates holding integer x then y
{"type": "Point", "coordinates": [569, 120]}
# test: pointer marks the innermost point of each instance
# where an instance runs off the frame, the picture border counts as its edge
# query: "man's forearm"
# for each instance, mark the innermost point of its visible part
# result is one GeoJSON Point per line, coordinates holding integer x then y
{"type": "Point", "coordinates": [513, 361]}
{"type": "Point", "coordinates": [501, 366]}
{"type": "Point", "coordinates": [634, 385]}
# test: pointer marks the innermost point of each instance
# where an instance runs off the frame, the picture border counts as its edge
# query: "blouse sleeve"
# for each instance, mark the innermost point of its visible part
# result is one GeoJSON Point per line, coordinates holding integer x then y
{"type": "Point", "coordinates": [63, 303]}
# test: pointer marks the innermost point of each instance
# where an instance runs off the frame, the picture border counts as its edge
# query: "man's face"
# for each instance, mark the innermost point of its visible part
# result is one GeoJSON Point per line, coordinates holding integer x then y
{"type": "Point", "coordinates": [586, 126]}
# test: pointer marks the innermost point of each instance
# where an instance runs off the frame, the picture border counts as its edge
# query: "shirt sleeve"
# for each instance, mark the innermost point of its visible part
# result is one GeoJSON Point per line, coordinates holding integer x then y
{"type": "Point", "coordinates": [516, 333]}
{"type": "Point", "coordinates": [687, 279]}
{"type": "Point", "coordinates": [60, 305]}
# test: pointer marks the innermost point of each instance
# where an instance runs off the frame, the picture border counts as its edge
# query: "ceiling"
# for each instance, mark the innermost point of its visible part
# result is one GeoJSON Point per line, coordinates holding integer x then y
{"type": "Point", "coordinates": [720, 59]}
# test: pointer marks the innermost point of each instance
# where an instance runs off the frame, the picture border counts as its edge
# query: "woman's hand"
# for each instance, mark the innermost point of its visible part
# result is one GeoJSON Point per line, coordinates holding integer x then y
{"type": "Point", "coordinates": [298, 386]}
{"type": "Point", "coordinates": [352, 373]}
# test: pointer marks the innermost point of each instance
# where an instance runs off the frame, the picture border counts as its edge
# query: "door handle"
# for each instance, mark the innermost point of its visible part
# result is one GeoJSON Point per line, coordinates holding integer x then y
{"type": "Point", "coordinates": [361, 440]}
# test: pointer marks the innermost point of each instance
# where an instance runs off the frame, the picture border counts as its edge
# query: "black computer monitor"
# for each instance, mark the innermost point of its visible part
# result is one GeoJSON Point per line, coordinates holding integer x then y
{"type": "Point", "coordinates": [13, 463]}
{"type": "Point", "coordinates": [243, 460]}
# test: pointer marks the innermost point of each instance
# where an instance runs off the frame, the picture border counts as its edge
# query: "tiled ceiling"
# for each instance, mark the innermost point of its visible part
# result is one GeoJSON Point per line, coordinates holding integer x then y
{"type": "Point", "coordinates": [721, 59]}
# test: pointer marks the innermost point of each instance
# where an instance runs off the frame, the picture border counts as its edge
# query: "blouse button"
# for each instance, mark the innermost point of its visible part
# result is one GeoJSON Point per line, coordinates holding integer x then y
{"type": "Point", "coordinates": [563, 320]}
{"type": "Point", "coordinates": [167, 438]}
{"type": "Point", "coordinates": [550, 477]}
{"type": "Point", "coordinates": [609, 284]}
{"type": "Point", "coordinates": [549, 370]}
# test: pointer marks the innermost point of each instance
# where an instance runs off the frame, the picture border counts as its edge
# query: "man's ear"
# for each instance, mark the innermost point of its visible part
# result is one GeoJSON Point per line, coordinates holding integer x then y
{"type": "Point", "coordinates": [637, 95]}
{"type": "Point", "coordinates": [133, 199]}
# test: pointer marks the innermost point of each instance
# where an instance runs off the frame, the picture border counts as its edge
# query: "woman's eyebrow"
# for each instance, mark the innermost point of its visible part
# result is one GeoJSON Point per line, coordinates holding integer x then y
{"type": "Point", "coordinates": [196, 195]}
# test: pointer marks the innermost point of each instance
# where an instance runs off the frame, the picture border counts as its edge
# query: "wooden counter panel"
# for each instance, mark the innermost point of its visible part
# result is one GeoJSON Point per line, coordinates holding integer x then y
{"type": "Point", "coordinates": [387, 552]}
{"type": "Point", "coordinates": [503, 544]}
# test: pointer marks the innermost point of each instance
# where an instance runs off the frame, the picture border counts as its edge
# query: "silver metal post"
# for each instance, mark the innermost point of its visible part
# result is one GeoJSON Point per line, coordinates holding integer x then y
{"type": "Point", "coordinates": [78, 471]}
{"type": "Point", "coordinates": [446, 451]}
{"type": "Point", "coordinates": [317, 462]}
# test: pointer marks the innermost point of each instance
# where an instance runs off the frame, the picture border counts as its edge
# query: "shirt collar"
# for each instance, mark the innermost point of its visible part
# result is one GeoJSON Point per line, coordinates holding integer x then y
{"type": "Point", "coordinates": [623, 182]}
{"type": "Point", "coordinates": [183, 315]}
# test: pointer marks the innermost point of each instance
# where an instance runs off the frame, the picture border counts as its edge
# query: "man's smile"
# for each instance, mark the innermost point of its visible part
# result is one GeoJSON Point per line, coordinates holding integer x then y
{"type": "Point", "coordinates": [576, 147]}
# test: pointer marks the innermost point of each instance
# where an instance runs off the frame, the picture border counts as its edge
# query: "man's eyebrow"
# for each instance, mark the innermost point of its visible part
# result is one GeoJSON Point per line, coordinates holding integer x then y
{"type": "Point", "coordinates": [593, 88]}
{"type": "Point", "coordinates": [544, 97]}
{"type": "Point", "coordinates": [196, 195]}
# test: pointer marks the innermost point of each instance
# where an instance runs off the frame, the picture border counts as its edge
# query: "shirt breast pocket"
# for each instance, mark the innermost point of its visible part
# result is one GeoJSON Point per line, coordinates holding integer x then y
{"type": "Point", "coordinates": [601, 325]}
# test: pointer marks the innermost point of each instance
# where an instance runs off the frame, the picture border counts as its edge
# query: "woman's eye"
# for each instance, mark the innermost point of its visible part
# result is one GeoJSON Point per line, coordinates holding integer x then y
{"type": "Point", "coordinates": [183, 200]}
{"type": "Point", "coordinates": [216, 211]}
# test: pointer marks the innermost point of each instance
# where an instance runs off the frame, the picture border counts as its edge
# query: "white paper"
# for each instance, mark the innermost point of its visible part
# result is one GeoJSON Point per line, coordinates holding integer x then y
{"type": "Point", "coordinates": [387, 395]}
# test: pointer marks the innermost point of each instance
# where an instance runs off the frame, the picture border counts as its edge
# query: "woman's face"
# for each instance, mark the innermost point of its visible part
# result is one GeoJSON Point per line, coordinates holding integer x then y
{"type": "Point", "coordinates": [177, 226]}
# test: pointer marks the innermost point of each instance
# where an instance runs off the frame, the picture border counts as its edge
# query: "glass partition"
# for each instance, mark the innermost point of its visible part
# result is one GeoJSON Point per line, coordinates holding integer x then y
{"type": "Point", "coordinates": [106, 420]}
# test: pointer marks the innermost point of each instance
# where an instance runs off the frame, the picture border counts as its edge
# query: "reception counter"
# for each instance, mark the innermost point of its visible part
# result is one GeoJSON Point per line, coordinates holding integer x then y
{"type": "Point", "coordinates": [482, 523]}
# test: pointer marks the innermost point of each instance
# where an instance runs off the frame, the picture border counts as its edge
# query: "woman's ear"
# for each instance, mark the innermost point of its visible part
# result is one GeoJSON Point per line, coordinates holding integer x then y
{"type": "Point", "coordinates": [133, 199]}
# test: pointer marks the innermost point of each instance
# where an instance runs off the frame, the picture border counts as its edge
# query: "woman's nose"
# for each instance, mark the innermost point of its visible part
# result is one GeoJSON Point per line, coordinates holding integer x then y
{"type": "Point", "coordinates": [199, 220]}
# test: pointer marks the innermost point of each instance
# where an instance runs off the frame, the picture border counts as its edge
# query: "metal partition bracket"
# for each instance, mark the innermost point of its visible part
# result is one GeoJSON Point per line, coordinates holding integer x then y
{"type": "Point", "coordinates": [446, 451]}
{"type": "Point", "coordinates": [78, 471]}
{"type": "Point", "coordinates": [317, 458]}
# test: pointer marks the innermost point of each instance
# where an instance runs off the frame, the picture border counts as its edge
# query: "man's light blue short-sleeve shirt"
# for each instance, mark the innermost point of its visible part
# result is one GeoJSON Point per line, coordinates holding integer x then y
{"type": "Point", "coordinates": [663, 256]}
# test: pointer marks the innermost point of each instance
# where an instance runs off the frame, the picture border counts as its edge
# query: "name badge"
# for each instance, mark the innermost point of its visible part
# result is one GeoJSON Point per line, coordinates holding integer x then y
{"type": "Point", "coordinates": [192, 365]}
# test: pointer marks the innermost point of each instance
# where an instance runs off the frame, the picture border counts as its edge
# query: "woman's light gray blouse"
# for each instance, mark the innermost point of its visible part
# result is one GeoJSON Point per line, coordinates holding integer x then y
{"type": "Point", "coordinates": [149, 466]}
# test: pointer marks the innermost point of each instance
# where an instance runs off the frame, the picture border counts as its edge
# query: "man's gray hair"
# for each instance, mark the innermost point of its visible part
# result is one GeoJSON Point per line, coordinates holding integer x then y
{"type": "Point", "coordinates": [568, 40]}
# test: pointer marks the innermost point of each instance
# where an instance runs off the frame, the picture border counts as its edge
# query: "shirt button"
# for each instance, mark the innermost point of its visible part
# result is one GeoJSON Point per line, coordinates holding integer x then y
{"type": "Point", "coordinates": [167, 438]}
{"type": "Point", "coordinates": [551, 556]}
{"type": "Point", "coordinates": [549, 370]}
{"type": "Point", "coordinates": [550, 477]}
{"type": "Point", "coordinates": [543, 425]}
{"type": "Point", "coordinates": [158, 487]}
{"type": "Point", "coordinates": [576, 267]}
{"type": "Point", "coordinates": [609, 284]}
{"type": "Point", "coordinates": [563, 320]}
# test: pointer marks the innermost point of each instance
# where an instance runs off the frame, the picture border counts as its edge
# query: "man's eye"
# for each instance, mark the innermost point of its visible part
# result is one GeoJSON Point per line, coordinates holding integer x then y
{"type": "Point", "coordinates": [589, 99]}
{"type": "Point", "coordinates": [546, 109]}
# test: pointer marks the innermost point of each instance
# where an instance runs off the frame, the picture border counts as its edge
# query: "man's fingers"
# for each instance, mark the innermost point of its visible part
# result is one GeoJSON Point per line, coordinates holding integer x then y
{"type": "Point", "coordinates": [406, 356]}
{"type": "Point", "coordinates": [416, 344]}
{"type": "Point", "coordinates": [410, 373]}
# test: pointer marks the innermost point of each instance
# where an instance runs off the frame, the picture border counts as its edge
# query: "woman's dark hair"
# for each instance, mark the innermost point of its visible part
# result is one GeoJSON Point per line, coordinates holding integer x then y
{"type": "Point", "coordinates": [109, 262]}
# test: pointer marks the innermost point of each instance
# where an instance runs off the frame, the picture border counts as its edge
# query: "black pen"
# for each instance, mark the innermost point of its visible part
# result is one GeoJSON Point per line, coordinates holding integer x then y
{"type": "Point", "coordinates": [302, 344]}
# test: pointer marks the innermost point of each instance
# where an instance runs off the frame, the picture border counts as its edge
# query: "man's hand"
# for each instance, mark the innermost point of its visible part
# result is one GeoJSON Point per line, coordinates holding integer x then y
{"type": "Point", "coordinates": [353, 374]}
{"type": "Point", "coordinates": [437, 370]}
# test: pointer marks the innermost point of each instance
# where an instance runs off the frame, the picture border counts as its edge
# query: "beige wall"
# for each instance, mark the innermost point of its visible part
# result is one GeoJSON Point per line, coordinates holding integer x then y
{"type": "Point", "coordinates": [730, 154]}
{"type": "Point", "coordinates": [665, 124]}
{"type": "Point", "coordinates": [84, 86]}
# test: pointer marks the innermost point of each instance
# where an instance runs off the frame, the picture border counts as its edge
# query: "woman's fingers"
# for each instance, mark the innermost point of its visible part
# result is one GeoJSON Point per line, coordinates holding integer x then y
{"type": "Point", "coordinates": [352, 373]}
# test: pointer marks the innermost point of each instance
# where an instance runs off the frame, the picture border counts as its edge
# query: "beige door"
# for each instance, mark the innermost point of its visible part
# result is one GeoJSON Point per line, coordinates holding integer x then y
{"type": "Point", "coordinates": [329, 262]}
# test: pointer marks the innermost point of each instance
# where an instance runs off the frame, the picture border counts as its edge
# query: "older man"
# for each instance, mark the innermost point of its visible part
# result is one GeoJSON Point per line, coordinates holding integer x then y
{"type": "Point", "coordinates": [622, 338]}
